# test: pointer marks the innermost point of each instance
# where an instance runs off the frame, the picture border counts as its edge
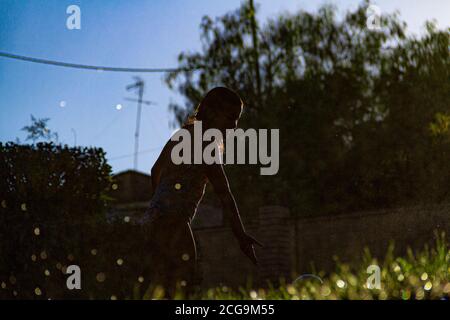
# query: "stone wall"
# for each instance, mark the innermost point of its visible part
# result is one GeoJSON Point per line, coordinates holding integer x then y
{"type": "Point", "coordinates": [292, 246]}
{"type": "Point", "coordinates": [295, 246]}
{"type": "Point", "coordinates": [222, 262]}
{"type": "Point", "coordinates": [346, 236]}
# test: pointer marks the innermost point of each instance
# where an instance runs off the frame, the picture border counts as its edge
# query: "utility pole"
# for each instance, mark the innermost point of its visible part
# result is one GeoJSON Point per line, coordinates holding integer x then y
{"type": "Point", "coordinates": [74, 137]}
{"type": "Point", "coordinates": [139, 85]}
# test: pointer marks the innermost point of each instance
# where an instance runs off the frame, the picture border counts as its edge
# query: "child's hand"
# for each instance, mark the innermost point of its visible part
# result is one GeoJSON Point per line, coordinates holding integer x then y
{"type": "Point", "coordinates": [246, 243]}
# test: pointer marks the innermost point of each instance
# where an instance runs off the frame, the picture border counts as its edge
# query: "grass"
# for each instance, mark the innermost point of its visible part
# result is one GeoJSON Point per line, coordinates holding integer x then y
{"type": "Point", "coordinates": [417, 275]}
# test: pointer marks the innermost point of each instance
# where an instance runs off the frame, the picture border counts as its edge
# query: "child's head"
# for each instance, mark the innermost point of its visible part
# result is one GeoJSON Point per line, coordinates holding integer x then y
{"type": "Point", "coordinates": [221, 108]}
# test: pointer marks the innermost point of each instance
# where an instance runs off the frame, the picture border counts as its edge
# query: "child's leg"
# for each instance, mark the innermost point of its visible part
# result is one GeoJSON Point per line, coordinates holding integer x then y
{"type": "Point", "coordinates": [183, 260]}
{"type": "Point", "coordinates": [173, 254]}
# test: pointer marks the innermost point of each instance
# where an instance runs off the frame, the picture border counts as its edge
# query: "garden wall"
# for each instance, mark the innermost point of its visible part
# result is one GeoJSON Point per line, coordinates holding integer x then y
{"type": "Point", "coordinates": [292, 246]}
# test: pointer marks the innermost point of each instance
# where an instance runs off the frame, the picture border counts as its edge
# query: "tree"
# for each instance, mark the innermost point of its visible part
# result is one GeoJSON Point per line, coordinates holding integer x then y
{"type": "Point", "coordinates": [354, 106]}
{"type": "Point", "coordinates": [39, 130]}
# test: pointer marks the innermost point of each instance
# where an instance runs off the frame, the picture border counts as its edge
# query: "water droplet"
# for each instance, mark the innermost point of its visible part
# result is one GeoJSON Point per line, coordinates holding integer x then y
{"type": "Point", "coordinates": [340, 283]}
{"type": "Point", "coordinates": [185, 257]}
{"type": "Point", "coordinates": [100, 277]}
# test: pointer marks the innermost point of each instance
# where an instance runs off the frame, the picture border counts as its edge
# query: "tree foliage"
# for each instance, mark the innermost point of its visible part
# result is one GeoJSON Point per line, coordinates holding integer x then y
{"type": "Point", "coordinates": [53, 213]}
{"type": "Point", "coordinates": [39, 130]}
{"type": "Point", "coordinates": [363, 115]}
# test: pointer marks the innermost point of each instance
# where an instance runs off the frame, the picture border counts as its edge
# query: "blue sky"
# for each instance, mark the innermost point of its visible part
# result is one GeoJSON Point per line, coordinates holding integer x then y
{"type": "Point", "coordinates": [133, 33]}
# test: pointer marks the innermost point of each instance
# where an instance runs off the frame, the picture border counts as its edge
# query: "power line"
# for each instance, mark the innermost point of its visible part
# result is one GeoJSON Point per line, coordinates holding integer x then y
{"type": "Point", "coordinates": [109, 124]}
{"type": "Point", "coordinates": [89, 67]}
{"type": "Point", "coordinates": [133, 154]}
{"type": "Point", "coordinates": [154, 126]}
{"type": "Point", "coordinates": [98, 68]}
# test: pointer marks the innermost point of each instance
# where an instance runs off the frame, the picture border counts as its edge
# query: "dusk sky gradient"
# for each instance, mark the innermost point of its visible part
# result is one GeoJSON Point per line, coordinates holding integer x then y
{"type": "Point", "coordinates": [122, 33]}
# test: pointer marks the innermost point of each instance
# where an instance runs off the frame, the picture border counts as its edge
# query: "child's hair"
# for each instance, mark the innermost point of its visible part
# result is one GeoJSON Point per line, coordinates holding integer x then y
{"type": "Point", "coordinates": [216, 98]}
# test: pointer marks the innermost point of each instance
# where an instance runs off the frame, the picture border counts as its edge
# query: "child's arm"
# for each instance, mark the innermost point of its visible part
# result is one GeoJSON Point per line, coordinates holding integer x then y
{"type": "Point", "coordinates": [217, 177]}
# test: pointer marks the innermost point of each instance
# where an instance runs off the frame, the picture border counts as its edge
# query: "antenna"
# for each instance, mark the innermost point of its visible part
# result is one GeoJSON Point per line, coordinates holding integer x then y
{"type": "Point", "coordinates": [143, 101]}
{"type": "Point", "coordinates": [139, 85]}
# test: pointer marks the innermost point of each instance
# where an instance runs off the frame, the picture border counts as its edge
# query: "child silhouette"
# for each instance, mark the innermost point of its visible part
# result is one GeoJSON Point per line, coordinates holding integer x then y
{"type": "Point", "coordinates": [179, 188]}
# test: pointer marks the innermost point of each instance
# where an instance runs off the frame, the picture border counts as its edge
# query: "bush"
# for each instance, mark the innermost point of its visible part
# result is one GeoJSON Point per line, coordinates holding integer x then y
{"type": "Point", "coordinates": [54, 201]}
